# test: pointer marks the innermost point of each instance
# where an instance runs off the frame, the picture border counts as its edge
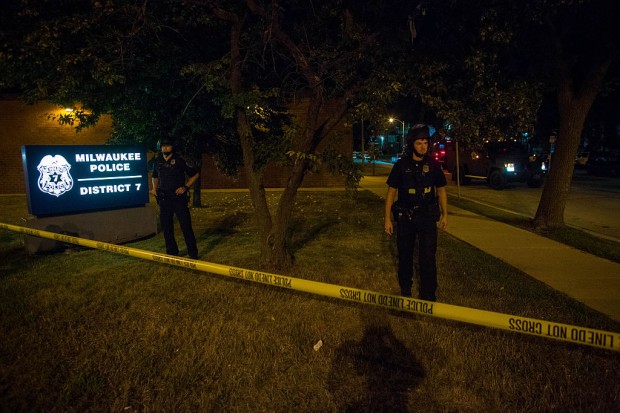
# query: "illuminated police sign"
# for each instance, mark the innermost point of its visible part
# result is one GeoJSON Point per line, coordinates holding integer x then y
{"type": "Point", "coordinates": [64, 179]}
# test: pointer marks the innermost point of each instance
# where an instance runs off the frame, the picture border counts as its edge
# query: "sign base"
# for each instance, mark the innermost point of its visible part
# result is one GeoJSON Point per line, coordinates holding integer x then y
{"type": "Point", "coordinates": [112, 226]}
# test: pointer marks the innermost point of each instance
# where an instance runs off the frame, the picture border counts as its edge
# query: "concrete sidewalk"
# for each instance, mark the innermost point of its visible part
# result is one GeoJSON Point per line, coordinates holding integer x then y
{"type": "Point", "coordinates": [589, 279]}
{"type": "Point", "coordinates": [592, 280]}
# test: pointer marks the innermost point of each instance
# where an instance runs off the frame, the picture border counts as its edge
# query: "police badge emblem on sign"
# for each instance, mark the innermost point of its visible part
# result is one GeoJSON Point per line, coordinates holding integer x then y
{"type": "Point", "coordinates": [54, 178]}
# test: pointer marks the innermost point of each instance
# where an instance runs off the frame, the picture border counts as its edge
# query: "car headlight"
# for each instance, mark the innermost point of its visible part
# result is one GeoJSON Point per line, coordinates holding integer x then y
{"type": "Point", "coordinates": [510, 167]}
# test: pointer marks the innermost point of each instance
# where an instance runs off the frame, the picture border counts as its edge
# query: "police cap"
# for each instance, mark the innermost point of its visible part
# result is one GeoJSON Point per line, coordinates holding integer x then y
{"type": "Point", "coordinates": [418, 131]}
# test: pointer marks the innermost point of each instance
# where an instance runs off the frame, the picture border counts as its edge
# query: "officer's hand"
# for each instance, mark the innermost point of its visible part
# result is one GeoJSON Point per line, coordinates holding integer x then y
{"type": "Point", "coordinates": [443, 221]}
{"type": "Point", "coordinates": [389, 228]}
{"type": "Point", "coordinates": [180, 190]}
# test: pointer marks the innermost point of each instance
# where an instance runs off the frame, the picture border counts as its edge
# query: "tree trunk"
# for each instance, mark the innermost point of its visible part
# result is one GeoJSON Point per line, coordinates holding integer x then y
{"type": "Point", "coordinates": [273, 233]}
{"type": "Point", "coordinates": [307, 142]}
{"type": "Point", "coordinates": [196, 200]}
{"type": "Point", "coordinates": [550, 213]}
{"type": "Point", "coordinates": [254, 175]}
{"type": "Point", "coordinates": [573, 108]}
{"type": "Point", "coordinates": [256, 186]}
{"type": "Point", "coordinates": [281, 255]}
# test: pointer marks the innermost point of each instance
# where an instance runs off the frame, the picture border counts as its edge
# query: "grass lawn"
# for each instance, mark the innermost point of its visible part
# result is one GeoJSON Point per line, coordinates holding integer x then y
{"type": "Point", "coordinates": [85, 330]}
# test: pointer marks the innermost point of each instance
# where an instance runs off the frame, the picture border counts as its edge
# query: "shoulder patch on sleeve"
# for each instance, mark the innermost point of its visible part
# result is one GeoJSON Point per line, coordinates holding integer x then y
{"type": "Point", "coordinates": [188, 161]}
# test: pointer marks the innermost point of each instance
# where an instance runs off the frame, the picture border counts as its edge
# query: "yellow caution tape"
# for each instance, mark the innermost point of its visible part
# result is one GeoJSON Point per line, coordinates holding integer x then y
{"type": "Point", "coordinates": [564, 332]}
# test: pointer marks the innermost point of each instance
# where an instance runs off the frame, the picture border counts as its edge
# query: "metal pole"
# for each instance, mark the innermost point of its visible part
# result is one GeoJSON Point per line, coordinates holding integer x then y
{"type": "Point", "coordinates": [373, 149]}
{"type": "Point", "coordinates": [458, 171]}
{"type": "Point", "coordinates": [362, 143]}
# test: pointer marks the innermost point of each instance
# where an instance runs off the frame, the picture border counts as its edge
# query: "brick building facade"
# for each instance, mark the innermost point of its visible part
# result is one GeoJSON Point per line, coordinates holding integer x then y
{"type": "Point", "coordinates": [22, 124]}
{"type": "Point", "coordinates": [277, 176]}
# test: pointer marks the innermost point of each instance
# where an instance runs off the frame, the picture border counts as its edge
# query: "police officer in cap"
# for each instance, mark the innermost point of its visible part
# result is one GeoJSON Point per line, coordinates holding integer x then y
{"type": "Point", "coordinates": [422, 206]}
{"type": "Point", "coordinates": [171, 190]}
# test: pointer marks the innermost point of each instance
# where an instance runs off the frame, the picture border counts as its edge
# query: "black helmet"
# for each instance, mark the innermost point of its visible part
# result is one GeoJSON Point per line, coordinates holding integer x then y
{"type": "Point", "coordinates": [165, 139]}
{"type": "Point", "coordinates": [417, 131]}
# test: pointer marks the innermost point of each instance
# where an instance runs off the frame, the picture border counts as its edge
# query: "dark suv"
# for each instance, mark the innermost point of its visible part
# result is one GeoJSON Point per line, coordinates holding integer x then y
{"type": "Point", "coordinates": [603, 164]}
{"type": "Point", "coordinates": [498, 163]}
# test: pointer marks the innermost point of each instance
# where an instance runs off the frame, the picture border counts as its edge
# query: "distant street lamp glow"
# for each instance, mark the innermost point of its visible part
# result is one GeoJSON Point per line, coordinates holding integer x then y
{"type": "Point", "coordinates": [403, 137]}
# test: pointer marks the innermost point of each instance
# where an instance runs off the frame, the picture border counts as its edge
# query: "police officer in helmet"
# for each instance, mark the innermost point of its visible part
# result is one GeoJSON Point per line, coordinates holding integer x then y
{"type": "Point", "coordinates": [421, 207]}
{"type": "Point", "coordinates": [172, 177]}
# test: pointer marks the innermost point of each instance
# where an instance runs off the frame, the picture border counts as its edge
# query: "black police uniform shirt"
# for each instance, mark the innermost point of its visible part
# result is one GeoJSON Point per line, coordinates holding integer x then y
{"type": "Point", "coordinates": [416, 181]}
{"type": "Point", "coordinates": [171, 173]}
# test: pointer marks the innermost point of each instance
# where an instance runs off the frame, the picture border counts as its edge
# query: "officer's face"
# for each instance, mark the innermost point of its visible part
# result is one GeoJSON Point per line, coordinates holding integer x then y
{"type": "Point", "coordinates": [420, 146]}
{"type": "Point", "coordinates": [166, 149]}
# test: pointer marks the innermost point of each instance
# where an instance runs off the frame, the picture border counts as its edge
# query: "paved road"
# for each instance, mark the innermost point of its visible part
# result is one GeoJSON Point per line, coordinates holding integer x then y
{"type": "Point", "coordinates": [593, 203]}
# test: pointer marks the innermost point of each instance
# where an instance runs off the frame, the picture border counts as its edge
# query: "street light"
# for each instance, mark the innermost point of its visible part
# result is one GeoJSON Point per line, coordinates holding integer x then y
{"type": "Point", "coordinates": [402, 144]}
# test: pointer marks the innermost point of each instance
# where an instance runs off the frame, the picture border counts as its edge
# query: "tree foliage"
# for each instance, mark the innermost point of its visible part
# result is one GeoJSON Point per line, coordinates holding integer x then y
{"type": "Point", "coordinates": [490, 62]}
{"type": "Point", "coordinates": [319, 57]}
{"type": "Point", "coordinates": [459, 70]}
{"type": "Point", "coordinates": [115, 57]}
{"type": "Point", "coordinates": [565, 47]}
{"type": "Point", "coordinates": [256, 81]}
{"type": "Point", "coordinates": [221, 76]}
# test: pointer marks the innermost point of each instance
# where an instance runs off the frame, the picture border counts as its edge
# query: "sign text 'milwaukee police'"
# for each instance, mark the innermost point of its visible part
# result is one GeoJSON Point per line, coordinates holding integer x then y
{"type": "Point", "coordinates": [107, 157]}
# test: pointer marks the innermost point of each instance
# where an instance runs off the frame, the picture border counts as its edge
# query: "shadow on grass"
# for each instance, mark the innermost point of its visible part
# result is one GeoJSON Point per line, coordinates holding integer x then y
{"type": "Point", "coordinates": [300, 233]}
{"type": "Point", "coordinates": [7, 258]}
{"type": "Point", "coordinates": [383, 364]}
{"type": "Point", "coordinates": [15, 257]}
{"type": "Point", "coordinates": [225, 227]}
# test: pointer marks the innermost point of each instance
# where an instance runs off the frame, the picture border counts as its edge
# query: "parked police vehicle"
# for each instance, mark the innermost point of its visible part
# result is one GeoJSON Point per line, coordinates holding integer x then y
{"type": "Point", "coordinates": [498, 163]}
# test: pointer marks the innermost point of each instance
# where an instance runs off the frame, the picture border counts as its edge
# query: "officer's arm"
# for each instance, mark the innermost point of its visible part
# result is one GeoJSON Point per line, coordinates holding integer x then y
{"type": "Point", "coordinates": [389, 201]}
{"type": "Point", "coordinates": [155, 186]}
{"type": "Point", "coordinates": [188, 169]}
{"type": "Point", "coordinates": [192, 180]}
{"type": "Point", "coordinates": [443, 204]}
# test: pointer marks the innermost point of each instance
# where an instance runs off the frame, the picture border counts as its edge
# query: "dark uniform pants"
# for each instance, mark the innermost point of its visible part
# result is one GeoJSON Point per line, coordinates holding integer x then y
{"type": "Point", "coordinates": [169, 207]}
{"type": "Point", "coordinates": [424, 228]}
